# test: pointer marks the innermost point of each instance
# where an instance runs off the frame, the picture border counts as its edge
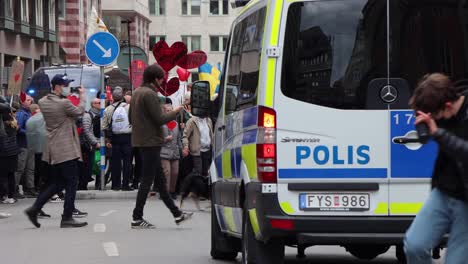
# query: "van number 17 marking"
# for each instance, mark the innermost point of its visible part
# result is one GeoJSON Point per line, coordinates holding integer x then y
{"type": "Point", "coordinates": [404, 117]}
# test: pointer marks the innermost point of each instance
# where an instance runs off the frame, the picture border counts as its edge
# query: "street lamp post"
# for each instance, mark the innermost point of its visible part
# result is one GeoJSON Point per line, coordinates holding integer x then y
{"type": "Point", "coordinates": [128, 22]}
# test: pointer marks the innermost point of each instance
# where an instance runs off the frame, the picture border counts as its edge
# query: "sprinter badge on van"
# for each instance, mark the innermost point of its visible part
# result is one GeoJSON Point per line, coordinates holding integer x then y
{"type": "Point", "coordinates": [389, 94]}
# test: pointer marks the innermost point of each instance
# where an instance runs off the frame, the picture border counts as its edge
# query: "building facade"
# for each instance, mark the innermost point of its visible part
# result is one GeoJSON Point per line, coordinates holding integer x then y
{"type": "Point", "coordinates": [28, 31]}
{"type": "Point", "coordinates": [122, 17]}
{"type": "Point", "coordinates": [201, 24]}
{"type": "Point", "coordinates": [73, 18]}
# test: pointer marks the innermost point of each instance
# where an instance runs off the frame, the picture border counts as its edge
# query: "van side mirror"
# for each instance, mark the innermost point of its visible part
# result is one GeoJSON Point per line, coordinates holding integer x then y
{"type": "Point", "coordinates": [200, 99]}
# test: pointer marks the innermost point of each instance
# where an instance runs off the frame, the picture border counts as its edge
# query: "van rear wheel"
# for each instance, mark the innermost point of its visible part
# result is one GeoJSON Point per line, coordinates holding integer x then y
{"type": "Point", "coordinates": [222, 246]}
{"type": "Point", "coordinates": [367, 252]}
{"type": "Point", "coordinates": [259, 252]}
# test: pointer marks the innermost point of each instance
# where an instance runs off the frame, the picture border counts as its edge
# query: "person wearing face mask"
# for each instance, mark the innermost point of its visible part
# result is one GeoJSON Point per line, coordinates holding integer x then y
{"type": "Point", "coordinates": [62, 150]}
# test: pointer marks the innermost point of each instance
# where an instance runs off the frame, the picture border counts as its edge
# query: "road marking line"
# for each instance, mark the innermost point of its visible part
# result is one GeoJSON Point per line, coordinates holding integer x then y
{"type": "Point", "coordinates": [108, 213]}
{"type": "Point", "coordinates": [99, 228]}
{"type": "Point", "coordinates": [111, 249]}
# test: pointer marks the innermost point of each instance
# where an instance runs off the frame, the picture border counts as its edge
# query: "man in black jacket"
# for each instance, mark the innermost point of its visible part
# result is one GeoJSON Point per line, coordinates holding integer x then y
{"type": "Point", "coordinates": [446, 209]}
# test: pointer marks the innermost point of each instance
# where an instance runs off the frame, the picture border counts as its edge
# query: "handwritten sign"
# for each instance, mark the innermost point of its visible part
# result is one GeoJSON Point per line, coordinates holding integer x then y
{"type": "Point", "coordinates": [16, 78]}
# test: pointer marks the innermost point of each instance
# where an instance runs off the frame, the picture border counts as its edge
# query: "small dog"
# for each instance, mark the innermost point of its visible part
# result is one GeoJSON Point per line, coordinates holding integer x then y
{"type": "Point", "coordinates": [195, 186]}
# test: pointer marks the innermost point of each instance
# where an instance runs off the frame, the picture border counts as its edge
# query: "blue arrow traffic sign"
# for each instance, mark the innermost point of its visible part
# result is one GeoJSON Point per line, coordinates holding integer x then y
{"type": "Point", "coordinates": [102, 48]}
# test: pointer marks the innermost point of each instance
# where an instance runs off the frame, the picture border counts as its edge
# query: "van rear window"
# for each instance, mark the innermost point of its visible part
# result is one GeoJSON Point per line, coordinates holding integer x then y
{"type": "Point", "coordinates": [332, 51]}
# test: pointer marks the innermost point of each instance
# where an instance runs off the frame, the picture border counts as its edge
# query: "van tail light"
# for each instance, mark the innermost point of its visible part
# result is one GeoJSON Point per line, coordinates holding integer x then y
{"type": "Point", "coordinates": [266, 147]}
{"type": "Point", "coordinates": [282, 224]}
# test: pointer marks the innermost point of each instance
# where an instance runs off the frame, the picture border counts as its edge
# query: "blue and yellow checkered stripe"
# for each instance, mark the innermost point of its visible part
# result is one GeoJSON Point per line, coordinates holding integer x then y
{"type": "Point", "coordinates": [241, 135]}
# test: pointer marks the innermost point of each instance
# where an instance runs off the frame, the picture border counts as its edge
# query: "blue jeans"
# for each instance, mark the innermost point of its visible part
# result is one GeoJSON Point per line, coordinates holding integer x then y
{"type": "Point", "coordinates": [440, 215]}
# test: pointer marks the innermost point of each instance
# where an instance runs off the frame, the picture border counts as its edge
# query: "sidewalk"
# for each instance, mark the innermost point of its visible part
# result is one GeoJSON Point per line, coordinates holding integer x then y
{"type": "Point", "coordinates": [107, 194]}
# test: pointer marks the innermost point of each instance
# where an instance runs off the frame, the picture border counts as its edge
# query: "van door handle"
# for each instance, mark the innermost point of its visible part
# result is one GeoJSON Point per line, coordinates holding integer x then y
{"type": "Point", "coordinates": [221, 128]}
{"type": "Point", "coordinates": [405, 140]}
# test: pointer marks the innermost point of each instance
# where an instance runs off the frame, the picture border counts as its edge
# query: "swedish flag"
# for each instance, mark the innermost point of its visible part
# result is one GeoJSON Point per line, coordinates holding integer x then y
{"type": "Point", "coordinates": [207, 72]}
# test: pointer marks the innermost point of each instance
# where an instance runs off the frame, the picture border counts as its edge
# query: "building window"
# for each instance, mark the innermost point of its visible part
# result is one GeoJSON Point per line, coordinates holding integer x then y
{"type": "Point", "coordinates": [155, 39]}
{"type": "Point", "coordinates": [9, 8]}
{"type": "Point", "coordinates": [39, 13]}
{"type": "Point", "coordinates": [61, 9]}
{"type": "Point", "coordinates": [219, 7]}
{"type": "Point", "coordinates": [52, 15]}
{"type": "Point", "coordinates": [191, 7]}
{"type": "Point", "coordinates": [81, 11]}
{"type": "Point", "coordinates": [218, 43]}
{"type": "Point", "coordinates": [192, 42]}
{"type": "Point", "coordinates": [25, 10]}
{"type": "Point", "coordinates": [157, 7]}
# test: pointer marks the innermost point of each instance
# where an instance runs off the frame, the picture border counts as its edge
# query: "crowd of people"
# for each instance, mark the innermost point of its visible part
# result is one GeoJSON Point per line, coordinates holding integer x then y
{"type": "Point", "coordinates": [50, 150]}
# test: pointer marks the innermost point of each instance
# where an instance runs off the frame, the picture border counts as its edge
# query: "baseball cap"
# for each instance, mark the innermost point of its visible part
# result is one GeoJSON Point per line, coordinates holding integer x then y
{"type": "Point", "coordinates": [61, 79]}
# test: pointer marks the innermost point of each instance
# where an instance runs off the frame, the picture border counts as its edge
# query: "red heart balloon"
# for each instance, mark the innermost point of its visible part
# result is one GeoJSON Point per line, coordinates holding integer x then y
{"type": "Point", "coordinates": [171, 125]}
{"type": "Point", "coordinates": [193, 60]}
{"type": "Point", "coordinates": [171, 87]}
{"type": "Point", "coordinates": [183, 74]}
{"type": "Point", "coordinates": [168, 57]}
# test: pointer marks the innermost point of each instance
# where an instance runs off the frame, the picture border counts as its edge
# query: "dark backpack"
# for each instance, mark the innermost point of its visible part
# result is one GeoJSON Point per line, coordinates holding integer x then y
{"type": "Point", "coordinates": [96, 122]}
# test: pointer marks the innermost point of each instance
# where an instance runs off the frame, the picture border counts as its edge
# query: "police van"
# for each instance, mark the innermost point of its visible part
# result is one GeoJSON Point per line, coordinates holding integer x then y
{"type": "Point", "coordinates": [314, 141]}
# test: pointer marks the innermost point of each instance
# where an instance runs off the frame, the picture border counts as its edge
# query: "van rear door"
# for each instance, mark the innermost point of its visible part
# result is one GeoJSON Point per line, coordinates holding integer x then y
{"type": "Point", "coordinates": [429, 36]}
{"type": "Point", "coordinates": [333, 124]}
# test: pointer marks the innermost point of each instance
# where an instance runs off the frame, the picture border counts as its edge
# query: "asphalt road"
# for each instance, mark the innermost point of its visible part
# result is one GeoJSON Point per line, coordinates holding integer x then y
{"type": "Point", "coordinates": [109, 239]}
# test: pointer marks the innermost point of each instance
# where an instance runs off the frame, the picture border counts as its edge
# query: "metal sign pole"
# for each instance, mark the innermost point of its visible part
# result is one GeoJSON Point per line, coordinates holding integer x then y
{"type": "Point", "coordinates": [102, 48]}
{"type": "Point", "coordinates": [103, 143]}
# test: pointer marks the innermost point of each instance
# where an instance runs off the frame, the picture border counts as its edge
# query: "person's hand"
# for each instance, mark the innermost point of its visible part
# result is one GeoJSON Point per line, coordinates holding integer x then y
{"type": "Point", "coordinates": [169, 138]}
{"type": "Point", "coordinates": [178, 109]}
{"type": "Point", "coordinates": [81, 90]}
{"type": "Point", "coordinates": [426, 118]}
{"type": "Point", "coordinates": [98, 146]}
{"type": "Point", "coordinates": [182, 125]}
{"type": "Point", "coordinates": [185, 152]}
{"type": "Point", "coordinates": [108, 145]}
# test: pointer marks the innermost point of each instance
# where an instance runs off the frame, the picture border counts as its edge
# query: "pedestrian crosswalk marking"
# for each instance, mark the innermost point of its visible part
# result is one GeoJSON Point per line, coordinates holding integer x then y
{"type": "Point", "coordinates": [99, 228]}
{"type": "Point", "coordinates": [108, 213]}
{"type": "Point", "coordinates": [111, 249]}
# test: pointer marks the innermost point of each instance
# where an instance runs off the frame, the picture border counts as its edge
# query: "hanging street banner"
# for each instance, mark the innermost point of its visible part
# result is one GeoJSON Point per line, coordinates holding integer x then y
{"type": "Point", "coordinates": [138, 67]}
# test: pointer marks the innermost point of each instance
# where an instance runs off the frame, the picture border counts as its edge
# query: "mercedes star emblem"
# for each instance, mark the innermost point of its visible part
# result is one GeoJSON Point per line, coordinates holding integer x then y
{"type": "Point", "coordinates": [389, 94]}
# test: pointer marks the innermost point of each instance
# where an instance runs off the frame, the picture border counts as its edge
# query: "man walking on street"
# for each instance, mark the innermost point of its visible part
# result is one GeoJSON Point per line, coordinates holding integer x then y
{"type": "Point", "coordinates": [147, 119]}
{"type": "Point", "coordinates": [446, 209]}
{"type": "Point", "coordinates": [62, 150]}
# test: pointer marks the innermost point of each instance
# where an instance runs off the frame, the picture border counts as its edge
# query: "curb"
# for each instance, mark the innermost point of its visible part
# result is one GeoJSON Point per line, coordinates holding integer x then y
{"type": "Point", "coordinates": [108, 194]}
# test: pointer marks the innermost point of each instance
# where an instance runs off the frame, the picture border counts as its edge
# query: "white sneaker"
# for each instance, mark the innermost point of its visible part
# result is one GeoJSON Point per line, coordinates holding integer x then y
{"type": "Point", "coordinates": [8, 201]}
{"type": "Point", "coordinates": [4, 215]}
{"type": "Point", "coordinates": [56, 199]}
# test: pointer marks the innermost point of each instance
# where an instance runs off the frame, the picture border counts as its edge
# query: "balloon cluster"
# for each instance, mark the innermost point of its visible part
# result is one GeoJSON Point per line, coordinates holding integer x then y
{"type": "Point", "coordinates": [176, 55]}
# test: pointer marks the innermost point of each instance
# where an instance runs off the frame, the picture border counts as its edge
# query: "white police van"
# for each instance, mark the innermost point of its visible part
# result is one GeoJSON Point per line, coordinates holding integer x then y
{"type": "Point", "coordinates": [314, 141]}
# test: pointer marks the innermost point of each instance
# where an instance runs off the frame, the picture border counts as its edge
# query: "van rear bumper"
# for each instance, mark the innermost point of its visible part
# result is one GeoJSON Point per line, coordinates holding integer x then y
{"type": "Point", "coordinates": [323, 230]}
{"type": "Point", "coordinates": [339, 230]}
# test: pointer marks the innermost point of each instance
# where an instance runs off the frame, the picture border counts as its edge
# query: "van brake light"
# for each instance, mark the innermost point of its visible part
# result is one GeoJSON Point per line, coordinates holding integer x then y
{"type": "Point", "coordinates": [266, 150]}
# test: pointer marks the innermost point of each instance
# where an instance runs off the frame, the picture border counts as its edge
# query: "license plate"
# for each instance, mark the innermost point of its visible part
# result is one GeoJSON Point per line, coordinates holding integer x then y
{"type": "Point", "coordinates": [334, 202]}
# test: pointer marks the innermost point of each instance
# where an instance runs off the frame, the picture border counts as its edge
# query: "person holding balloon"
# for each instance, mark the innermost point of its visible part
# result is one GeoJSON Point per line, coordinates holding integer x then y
{"type": "Point", "coordinates": [170, 152]}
